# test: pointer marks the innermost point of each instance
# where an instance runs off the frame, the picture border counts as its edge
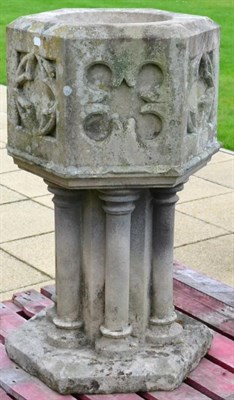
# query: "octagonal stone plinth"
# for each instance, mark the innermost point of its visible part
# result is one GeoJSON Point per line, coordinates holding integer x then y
{"type": "Point", "coordinates": [101, 98]}
{"type": "Point", "coordinates": [82, 369]}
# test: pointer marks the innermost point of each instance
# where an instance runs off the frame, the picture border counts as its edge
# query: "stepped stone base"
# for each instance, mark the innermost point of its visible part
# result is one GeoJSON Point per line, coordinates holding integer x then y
{"type": "Point", "coordinates": [71, 369]}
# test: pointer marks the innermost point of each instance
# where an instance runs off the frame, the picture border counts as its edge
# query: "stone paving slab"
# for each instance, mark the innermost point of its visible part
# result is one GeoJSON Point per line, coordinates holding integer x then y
{"type": "Point", "coordinates": [197, 188]}
{"type": "Point", "coordinates": [216, 210]}
{"type": "Point", "coordinates": [9, 196]}
{"type": "Point", "coordinates": [6, 163]}
{"type": "Point", "coordinates": [3, 105]}
{"type": "Point", "coordinates": [213, 257]}
{"type": "Point", "coordinates": [23, 219]}
{"type": "Point", "coordinates": [45, 200]}
{"type": "Point", "coordinates": [190, 230]}
{"type": "Point", "coordinates": [24, 183]}
{"type": "Point", "coordinates": [37, 251]}
{"type": "Point", "coordinates": [3, 121]}
{"type": "Point", "coordinates": [2, 144]}
{"type": "Point", "coordinates": [222, 156]}
{"type": "Point", "coordinates": [9, 272]}
{"type": "Point", "coordinates": [3, 136]}
{"type": "Point", "coordinates": [223, 176]}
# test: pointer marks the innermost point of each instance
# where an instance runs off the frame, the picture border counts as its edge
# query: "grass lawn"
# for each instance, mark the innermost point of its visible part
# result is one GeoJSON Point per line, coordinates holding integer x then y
{"type": "Point", "coordinates": [219, 11]}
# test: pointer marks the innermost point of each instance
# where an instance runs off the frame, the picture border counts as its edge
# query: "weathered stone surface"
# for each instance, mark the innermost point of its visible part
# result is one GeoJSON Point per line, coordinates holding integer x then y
{"type": "Point", "coordinates": [121, 103]}
{"type": "Point", "coordinates": [82, 370]}
{"type": "Point", "coordinates": [98, 98]}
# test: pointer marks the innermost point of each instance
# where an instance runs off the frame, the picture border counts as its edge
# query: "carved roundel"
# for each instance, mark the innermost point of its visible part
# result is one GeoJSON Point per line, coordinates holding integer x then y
{"type": "Point", "coordinates": [97, 126]}
{"type": "Point", "coordinates": [35, 94]}
{"type": "Point", "coordinates": [149, 80]}
{"type": "Point", "coordinates": [99, 75]}
{"type": "Point", "coordinates": [150, 124]}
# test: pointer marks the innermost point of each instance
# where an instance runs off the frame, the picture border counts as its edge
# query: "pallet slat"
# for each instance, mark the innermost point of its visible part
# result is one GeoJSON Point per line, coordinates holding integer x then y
{"type": "Point", "coordinates": [32, 302]}
{"type": "Point", "coordinates": [204, 284]}
{"type": "Point", "coordinates": [5, 361]}
{"type": "Point", "coordinates": [123, 396]}
{"type": "Point", "coordinates": [3, 395]}
{"type": "Point", "coordinates": [21, 385]}
{"type": "Point", "coordinates": [214, 313]}
{"type": "Point", "coordinates": [212, 380]}
{"type": "Point", "coordinates": [13, 307]}
{"type": "Point", "coordinates": [9, 321]}
{"type": "Point", "coordinates": [48, 291]}
{"type": "Point", "coordinates": [222, 352]}
{"type": "Point", "coordinates": [184, 392]}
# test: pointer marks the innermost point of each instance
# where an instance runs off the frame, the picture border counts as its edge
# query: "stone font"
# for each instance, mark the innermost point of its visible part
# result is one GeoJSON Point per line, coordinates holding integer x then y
{"type": "Point", "coordinates": [115, 109]}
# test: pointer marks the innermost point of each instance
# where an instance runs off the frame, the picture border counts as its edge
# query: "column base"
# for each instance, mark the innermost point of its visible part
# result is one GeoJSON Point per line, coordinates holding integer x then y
{"type": "Point", "coordinates": [66, 324]}
{"type": "Point", "coordinates": [164, 334]}
{"type": "Point", "coordinates": [66, 336]}
{"type": "Point", "coordinates": [163, 321]}
{"type": "Point", "coordinates": [66, 339]}
{"type": "Point", "coordinates": [121, 334]}
{"type": "Point", "coordinates": [84, 370]}
{"type": "Point", "coordinates": [62, 323]}
{"type": "Point", "coordinates": [116, 347]}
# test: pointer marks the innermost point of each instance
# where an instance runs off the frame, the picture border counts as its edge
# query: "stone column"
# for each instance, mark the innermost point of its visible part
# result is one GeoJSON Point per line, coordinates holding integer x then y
{"type": "Point", "coordinates": [67, 247]}
{"type": "Point", "coordinates": [118, 206]}
{"type": "Point", "coordinates": [163, 328]}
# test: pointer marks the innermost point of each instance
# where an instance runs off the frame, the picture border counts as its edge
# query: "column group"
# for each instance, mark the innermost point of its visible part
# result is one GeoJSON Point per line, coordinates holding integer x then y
{"type": "Point", "coordinates": [118, 204]}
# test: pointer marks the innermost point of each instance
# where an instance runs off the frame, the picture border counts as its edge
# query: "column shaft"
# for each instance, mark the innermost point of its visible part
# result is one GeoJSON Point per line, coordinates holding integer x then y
{"type": "Point", "coordinates": [163, 240]}
{"type": "Point", "coordinates": [117, 271]}
{"type": "Point", "coordinates": [163, 328]}
{"type": "Point", "coordinates": [67, 249]}
{"type": "Point", "coordinates": [118, 207]}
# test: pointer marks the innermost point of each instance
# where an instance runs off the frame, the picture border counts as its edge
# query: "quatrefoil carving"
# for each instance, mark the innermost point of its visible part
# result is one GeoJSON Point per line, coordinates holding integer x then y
{"type": "Point", "coordinates": [127, 106]}
{"type": "Point", "coordinates": [35, 94]}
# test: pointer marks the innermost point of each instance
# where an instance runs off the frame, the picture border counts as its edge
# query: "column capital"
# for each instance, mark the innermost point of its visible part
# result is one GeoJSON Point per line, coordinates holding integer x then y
{"type": "Point", "coordinates": [64, 197]}
{"type": "Point", "coordinates": [166, 196]}
{"type": "Point", "coordinates": [118, 202]}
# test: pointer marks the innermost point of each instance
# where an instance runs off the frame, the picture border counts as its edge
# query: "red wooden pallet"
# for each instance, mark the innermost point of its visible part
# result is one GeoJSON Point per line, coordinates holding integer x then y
{"type": "Point", "coordinates": [196, 295]}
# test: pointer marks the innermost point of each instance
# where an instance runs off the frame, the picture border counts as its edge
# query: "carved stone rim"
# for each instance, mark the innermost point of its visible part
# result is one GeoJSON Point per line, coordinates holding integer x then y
{"type": "Point", "coordinates": [137, 178]}
{"type": "Point", "coordinates": [178, 26]}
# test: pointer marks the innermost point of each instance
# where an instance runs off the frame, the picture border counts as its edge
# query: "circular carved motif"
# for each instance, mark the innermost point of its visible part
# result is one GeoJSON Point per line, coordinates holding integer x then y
{"type": "Point", "coordinates": [150, 124]}
{"type": "Point", "coordinates": [99, 75]}
{"type": "Point", "coordinates": [97, 126]}
{"type": "Point", "coordinates": [150, 78]}
{"type": "Point", "coordinates": [35, 98]}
